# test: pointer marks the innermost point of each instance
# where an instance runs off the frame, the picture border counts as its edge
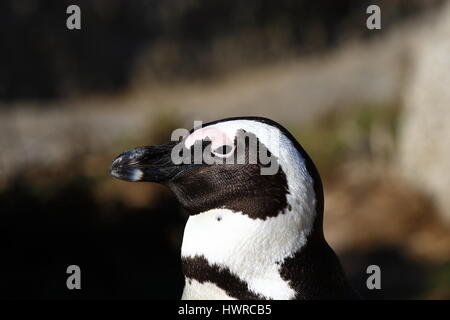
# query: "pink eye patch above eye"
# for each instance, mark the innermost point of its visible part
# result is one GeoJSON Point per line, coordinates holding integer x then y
{"type": "Point", "coordinates": [218, 137]}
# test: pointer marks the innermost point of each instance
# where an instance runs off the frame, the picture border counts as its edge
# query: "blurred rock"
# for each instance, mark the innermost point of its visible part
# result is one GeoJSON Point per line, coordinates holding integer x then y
{"type": "Point", "coordinates": [424, 144]}
{"type": "Point", "coordinates": [369, 207]}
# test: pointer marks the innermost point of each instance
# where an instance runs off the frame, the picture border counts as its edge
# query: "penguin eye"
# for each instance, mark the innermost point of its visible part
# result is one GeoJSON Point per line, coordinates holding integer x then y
{"type": "Point", "coordinates": [223, 151]}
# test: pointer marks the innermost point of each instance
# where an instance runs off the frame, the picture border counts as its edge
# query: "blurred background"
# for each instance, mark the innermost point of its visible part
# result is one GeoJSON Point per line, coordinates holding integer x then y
{"type": "Point", "coordinates": [372, 107]}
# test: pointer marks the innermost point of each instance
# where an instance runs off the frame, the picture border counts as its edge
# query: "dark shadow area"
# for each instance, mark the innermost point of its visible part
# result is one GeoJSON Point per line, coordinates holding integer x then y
{"type": "Point", "coordinates": [136, 256]}
{"type": "Point", "coordinates": [401, 277]}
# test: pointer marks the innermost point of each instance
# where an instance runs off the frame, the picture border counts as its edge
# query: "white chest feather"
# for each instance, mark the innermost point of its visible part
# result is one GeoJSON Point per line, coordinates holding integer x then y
{"type": "Point", "coordinates": [194, 290]}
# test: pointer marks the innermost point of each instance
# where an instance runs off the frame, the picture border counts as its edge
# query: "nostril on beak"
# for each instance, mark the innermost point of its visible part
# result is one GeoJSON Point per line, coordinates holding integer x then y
{"type": "Point", "coordinates": [117, 162]}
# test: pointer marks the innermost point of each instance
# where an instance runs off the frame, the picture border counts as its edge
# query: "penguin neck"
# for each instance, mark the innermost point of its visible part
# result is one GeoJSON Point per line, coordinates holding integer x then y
{"type": "Point", "coordinates": [315, 272]}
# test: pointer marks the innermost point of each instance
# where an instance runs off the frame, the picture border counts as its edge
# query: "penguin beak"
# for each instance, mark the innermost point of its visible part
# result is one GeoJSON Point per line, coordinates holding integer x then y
{"type": "Point", "coordinates": [151, 163]}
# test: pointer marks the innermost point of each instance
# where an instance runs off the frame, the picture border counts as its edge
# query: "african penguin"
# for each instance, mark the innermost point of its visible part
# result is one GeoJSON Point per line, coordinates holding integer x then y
{"type": "Point", "coordinates": [249, 235]}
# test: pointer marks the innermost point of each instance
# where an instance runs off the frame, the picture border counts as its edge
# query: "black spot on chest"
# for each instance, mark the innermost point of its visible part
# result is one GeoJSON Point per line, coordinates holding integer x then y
{"type": "Point", "coordinates": [199, 269]}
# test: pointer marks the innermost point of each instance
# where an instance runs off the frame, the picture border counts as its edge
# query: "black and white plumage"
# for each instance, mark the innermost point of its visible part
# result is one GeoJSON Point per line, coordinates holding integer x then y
{"type": "Point", "coordinates": [248, 236]}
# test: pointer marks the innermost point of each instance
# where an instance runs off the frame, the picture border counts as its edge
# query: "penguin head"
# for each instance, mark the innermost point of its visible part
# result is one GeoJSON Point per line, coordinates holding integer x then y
{"type": "Point", "coordinates": [247, 164]}
{"type": "Point", "coordinates": [253, 197]}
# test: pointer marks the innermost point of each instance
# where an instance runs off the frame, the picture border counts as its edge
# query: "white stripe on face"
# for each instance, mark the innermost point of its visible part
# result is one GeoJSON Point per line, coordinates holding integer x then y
{"type": "Point", "coordinates": [218, 137]}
